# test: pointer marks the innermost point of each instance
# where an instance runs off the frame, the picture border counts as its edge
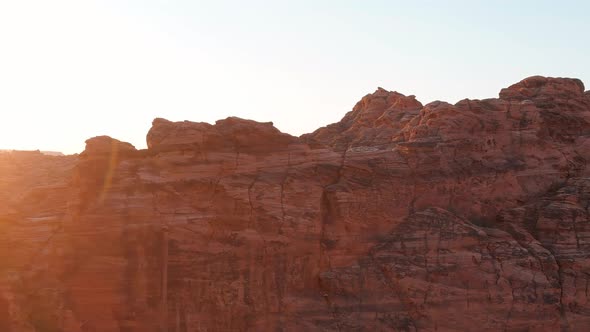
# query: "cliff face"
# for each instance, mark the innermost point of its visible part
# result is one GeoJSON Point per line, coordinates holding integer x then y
{"type": "Point", "coordinates": [400, 217]}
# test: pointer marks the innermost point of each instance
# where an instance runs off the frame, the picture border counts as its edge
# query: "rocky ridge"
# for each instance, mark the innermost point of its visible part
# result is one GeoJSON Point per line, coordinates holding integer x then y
{"type": "Point", "coordinates": [401, 216]}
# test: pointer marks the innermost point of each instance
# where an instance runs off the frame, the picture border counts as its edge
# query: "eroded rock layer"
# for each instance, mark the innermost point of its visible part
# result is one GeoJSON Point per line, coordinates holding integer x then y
{"type": "Point", "coordinates": [403, 216]}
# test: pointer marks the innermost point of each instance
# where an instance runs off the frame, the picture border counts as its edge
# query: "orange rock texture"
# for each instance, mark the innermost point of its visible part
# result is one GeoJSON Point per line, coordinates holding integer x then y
{"type": "Point", "coordinates": [401, 217]}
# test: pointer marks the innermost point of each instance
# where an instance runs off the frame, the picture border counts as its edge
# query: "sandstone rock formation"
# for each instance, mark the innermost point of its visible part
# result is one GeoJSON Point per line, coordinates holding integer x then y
{"type": "Point", "coordinates": [404, 217]}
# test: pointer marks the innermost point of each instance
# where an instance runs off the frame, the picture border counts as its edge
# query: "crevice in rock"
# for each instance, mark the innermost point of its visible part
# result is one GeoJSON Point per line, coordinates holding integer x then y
{"type": "Point", "coordinates": [250, 219]}
{"type": "Point", "coordinates": [283, 181]}
{"type": "Point", "coordinates": [327, 211]}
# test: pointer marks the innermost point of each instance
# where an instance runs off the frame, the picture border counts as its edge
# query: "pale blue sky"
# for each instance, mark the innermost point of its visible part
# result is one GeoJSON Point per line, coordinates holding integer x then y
{"type": "Point", "coordinates": [73, 69]}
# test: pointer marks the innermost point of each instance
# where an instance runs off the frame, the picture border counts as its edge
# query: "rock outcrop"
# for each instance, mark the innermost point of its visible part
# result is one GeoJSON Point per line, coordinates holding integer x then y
{"type": "Point", "coordinates": [371, 124]}
{"type": "Point", "coordinates": [473, 216]}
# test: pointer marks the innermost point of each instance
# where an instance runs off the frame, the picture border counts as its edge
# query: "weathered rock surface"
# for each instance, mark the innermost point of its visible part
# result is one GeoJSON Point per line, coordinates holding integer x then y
{"type": "Point", "coordinates": [405, 217]}
{"type": "Point", "coordinates": [371, 124]}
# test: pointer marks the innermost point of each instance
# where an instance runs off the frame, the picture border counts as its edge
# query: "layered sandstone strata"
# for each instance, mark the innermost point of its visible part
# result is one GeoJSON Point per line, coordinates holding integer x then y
{"type": "Point", "coordinates": [400, 217]}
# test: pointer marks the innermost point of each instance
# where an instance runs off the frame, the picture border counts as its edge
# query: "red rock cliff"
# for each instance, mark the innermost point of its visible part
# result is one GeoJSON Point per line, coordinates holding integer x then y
{"type": "Point", "coordinates": [400, 217]}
